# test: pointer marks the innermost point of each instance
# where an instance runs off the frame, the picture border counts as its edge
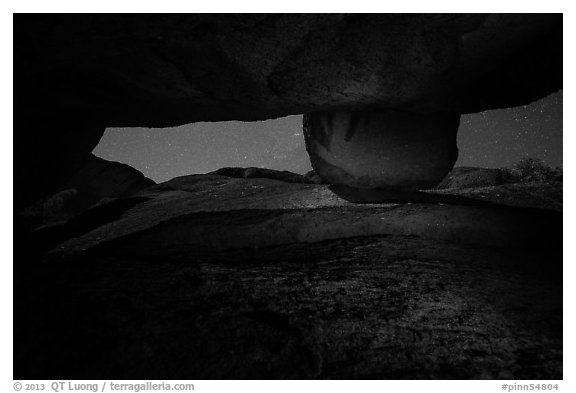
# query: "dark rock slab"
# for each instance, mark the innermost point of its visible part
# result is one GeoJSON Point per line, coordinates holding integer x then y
{"type": "Point", "coordinates": [97, 181]}
{"type": "Point", "coordinates": [392, 307]}
{"type": "Point", "coordinates": [217, 212]}
{"type": "Point", "coordinates": [216, 277]}
{"type": "Point", "coordinates": [167, 70]}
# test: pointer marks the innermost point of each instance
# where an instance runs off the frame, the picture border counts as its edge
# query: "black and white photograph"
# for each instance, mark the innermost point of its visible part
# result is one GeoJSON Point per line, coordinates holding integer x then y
{"type": "Point", "coordinates": [287, 196]}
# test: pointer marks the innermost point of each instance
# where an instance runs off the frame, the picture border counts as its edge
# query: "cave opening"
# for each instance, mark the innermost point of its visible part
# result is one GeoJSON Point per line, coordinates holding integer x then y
{"type": "Point", "coordinates": [492, 139]}
{"type": "Point", "coordinates": [162, 154]}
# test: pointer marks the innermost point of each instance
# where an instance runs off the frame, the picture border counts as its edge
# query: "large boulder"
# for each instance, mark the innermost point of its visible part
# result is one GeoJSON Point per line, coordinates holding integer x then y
{"type": "Point", "coordinates": [385, 149]}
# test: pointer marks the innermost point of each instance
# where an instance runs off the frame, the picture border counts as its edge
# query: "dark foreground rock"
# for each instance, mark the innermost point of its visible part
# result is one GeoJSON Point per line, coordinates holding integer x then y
{"type": "Point", "coordinates": [371, 307]}
{"type": "Point", "coordinates": [211, 276]}
{"type": "Point", "coordinates": [98, 181]}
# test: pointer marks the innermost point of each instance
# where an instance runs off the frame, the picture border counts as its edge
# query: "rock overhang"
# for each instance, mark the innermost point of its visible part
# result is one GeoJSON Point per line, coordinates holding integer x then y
{"type": "Point", "coordinates": [167, 70]}
{"type": "Point", "coordinates": [81, 74]}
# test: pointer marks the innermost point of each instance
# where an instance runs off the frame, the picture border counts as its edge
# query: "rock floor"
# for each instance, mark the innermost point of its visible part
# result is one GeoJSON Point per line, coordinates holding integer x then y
{"type": "Point", "coordinates": [369, 304]}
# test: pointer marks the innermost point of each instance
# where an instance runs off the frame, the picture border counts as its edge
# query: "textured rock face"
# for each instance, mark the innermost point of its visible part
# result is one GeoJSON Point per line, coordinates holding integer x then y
{"type": "Point", "coordinates": [200, 212]}
{"type": "Point", "coordinates": [98, 180]}
{"type": "Point", "coordinates": [210, 276]}
{"type": "Point", "coordinates": [164, 70]}
{"type": "Point", "coordinates": [385, 149]}
{"type": "Point", "coordinates": [77, 74]}
{"type": "Point", "coordinates": [393, 307]}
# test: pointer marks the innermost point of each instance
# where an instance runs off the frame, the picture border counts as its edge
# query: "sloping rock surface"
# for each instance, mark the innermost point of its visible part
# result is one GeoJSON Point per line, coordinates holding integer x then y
{"type": "Point", "coordinates": [210, 276]}
{"type": "Point", "coordinates": [545, 195]}
{"type": "Point", "coordinates": [98, 181]}
{"type": "Point", "coordinates": [212, 211]}
{"type": "Point", "coordinates": [392, 307]}
{"type": "Point", "coordinates": [470, 177]}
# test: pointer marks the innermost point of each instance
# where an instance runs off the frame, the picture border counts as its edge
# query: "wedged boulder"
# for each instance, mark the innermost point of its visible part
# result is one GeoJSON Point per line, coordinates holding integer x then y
{"type": "Point", "coordinates": [391, 150]}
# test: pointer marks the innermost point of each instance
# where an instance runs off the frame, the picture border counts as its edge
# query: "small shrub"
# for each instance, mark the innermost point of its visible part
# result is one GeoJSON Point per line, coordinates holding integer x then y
{"type": "Point", "coordinates": [530, 169]}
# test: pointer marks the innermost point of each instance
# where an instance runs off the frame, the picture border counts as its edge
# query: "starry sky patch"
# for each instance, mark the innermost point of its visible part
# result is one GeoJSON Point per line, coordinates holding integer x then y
{"type": "Point", "coordinates": [493, 139]}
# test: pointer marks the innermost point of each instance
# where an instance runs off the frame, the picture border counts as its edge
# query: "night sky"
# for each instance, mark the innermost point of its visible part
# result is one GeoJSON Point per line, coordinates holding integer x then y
{"type": "Point", "coordinates": [491, 139]}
